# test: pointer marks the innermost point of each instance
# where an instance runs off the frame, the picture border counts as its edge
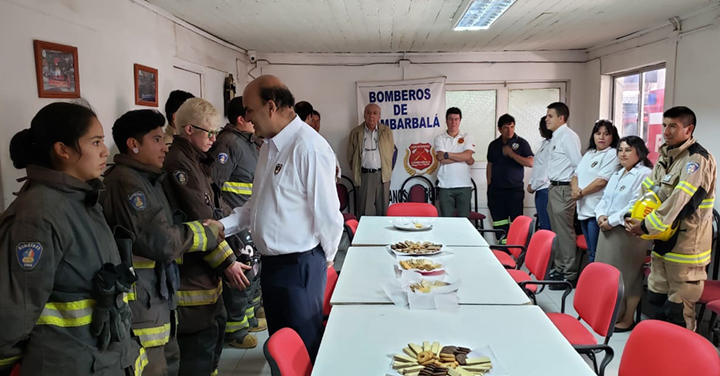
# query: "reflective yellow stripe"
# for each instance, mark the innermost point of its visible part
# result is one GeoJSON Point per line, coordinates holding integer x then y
{"type": "Point", "coordinates": [237, 188]}
{"type": "Point", "coordinates": [707, 203]}
{"type": "Point", "coordinates": [143, 264]}
{"type": "Point", "coordinates": [199, 240]}
{"type": "Point", "coordinates": [250, 313]}
{"type": "Point", "coordinates": [234, 326]}
{"type": "Point", "coordinates": [179, 260]}
{"type": "Point", "coordinates": [679, 258]}
{"type": "Point", "coordinates": [686, 187]}
{"type": "Point", "coordinates": [256, 299]}
{"type": "Point", "coordinates": [132, 295]}
{"type": "Point", "coordinates": [141, 362]}
{"type": "Point", "coordinates": [214, 373]}
{"type": "Point", "coordinates": [656, 223]}
{"type": "Point", "coordinates": [501, 223]}
{"type": "Point", "coordinates": [10, 360]}
{"type": "Point", "coordinates": [152, 337]}
{"type": "Point", "coordinates": [647, 183]}
{"type": "Point", "coordinates": [199, 297]}
{"type": "Point", "coordinates": [70, 314]}
{"type": "Point", "coordinates": [220, 254]}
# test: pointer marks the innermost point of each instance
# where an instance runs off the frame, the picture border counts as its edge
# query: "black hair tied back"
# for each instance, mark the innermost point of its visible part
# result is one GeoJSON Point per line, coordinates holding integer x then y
{"type": "Point", "coordinates": [21, 148]}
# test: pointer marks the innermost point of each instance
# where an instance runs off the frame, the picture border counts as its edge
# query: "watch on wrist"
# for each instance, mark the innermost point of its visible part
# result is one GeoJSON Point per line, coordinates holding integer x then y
{"type": "Point", "coordinates": [446, 155]}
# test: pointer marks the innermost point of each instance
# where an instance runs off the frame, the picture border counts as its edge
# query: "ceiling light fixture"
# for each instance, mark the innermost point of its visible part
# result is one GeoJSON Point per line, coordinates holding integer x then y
{"type": "Point", "coordinates": [480, 14]}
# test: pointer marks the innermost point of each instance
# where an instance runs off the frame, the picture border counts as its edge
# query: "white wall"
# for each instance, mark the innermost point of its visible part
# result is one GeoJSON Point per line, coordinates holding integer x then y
{"type": "Point", "coordinates": [328, 82]}
{"type": "Point", "coordinates": [111, 35]}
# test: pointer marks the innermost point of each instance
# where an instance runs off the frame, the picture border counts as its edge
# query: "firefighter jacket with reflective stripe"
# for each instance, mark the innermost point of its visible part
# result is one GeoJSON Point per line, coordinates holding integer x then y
{"type": "Point", "coordinates": [686, 177]}
{"type": "Point", "coordinates": [236, 157]}
{"type": "Point", "coordinates": [190, 189]}
{"type": "Point", "coordinates": [53, 240]}
{"type": "Point", "coordinates": [134, 198]}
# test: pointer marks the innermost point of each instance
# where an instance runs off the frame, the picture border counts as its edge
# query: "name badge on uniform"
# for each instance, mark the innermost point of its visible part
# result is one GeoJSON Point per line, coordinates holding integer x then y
{"type": "Point", "coordinates": [278, 167]}
{"type": "Point", "coordinates": [28, 254]}
{"type": "Point", "coordinates": [667, 178]}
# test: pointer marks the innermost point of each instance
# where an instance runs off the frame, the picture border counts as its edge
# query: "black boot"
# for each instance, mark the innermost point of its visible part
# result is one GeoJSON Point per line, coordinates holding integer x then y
{"type": "Point", "coordinates": [674, 313]}
{"type": "Point", "coordinates": [657, 301]}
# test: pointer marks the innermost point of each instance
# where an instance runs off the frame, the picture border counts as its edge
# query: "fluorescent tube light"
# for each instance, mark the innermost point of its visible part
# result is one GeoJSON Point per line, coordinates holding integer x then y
{"type": "Point", "coordinates": [482, 13]}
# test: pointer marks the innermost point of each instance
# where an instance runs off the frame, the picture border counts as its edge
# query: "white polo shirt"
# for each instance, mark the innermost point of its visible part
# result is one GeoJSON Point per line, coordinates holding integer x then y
{"type": "Point", "coordinates": [539, 177]}
{"type": "Point", "coordinates": [454, 175]}
{"type": "Point", "coordinates": [620, 194]}
{"type": "Point", "coordinates": [594, 165]}
{"type": "Point", "coordinates": [564, 154]}
{"type": "Point", "coordinates": [294, 204]}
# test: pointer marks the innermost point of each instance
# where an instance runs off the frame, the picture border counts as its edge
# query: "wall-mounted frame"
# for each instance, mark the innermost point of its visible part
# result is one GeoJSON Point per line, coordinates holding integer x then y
{"type": "Point", "coordinates": [146, 86]}
{"type": "Point", "coordinates": [56, 68]}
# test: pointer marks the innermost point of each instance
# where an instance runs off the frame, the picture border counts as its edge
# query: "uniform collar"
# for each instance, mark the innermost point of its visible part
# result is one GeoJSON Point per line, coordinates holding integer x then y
{"type": "Point", "coordinates": [153, 173]}
{"type": "Point", "coordinates": [187, 148]}
{"type": "Point", "coordinates": [232, 129]}
{"type": "Point", "coordinates": [82, 191]}
{"type": "Point", "coordinates": [513, 138]}
{"type": "Point", "coordinates": [667, 151]}
{"type": "Point", "coordinates": [286, 135]}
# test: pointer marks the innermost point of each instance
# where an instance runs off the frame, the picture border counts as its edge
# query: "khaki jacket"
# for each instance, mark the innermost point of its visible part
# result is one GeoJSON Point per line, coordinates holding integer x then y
{"type": "Point", "coordinates": [386, 144]}
{"type": "Point", "coordinates": [686, 177]}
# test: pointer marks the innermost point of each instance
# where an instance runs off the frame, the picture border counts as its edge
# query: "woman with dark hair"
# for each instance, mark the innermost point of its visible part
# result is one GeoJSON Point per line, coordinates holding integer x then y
{"type": "Point", "coordinates": [62, 278]}
{"type": "Point", "coordinates": [591, 176]}
{"type": "Point", "coordinates": [616, 246]}
{"type": "Point", "coordinates": [539, 181]}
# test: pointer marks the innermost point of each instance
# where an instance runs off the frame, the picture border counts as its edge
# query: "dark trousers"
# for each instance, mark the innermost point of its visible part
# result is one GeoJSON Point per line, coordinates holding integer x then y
{"type": "Point", "coordinates": [455, 201]}
{"type": "Point", "coordinates": [293, 287]}
{"type": "Point", "coordinates": [541, 203]}
{"type": "Point", "coordinates": [505, 205]}
{"type": "Point", "coordinates": [200, 351]}
{"type": "Point", "coordinates": [591, 230]}
{"type": "Point", "coordinates": [373, 196]}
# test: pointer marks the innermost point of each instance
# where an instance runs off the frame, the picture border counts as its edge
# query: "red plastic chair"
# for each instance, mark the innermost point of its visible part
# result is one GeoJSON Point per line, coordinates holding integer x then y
{"type": "Point", "coordinates": [511, 255]}
{"type": "Point", "coordinates": [353, 224]}
{"type": "Point", "coordinates": [286, 354]}
{"type": "Point", "coordinates": [658, 348]}
{"type": "Point", "coordinates": [15, 371]}
{"type": "Point", "coordinates": [418, 193]}
{"type": "Point", "coordinates": [581, 243]}
{"type": "Point", "coordinates": [537, 261]}
{"type": "Point", "coordinates": [332, 278]}
{"type": "Point", "coordinates": [412, 209]}
{"type": "Point", "coordinates": [597, 300]}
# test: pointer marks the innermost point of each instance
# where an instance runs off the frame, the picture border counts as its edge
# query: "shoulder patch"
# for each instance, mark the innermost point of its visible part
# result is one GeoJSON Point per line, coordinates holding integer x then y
{"type": "Point", "coordinates": [180, 176]}
{"type": "Point", "coordinates": [222, 158]}
{"type": "Point", "coordinates": [137, 200]}
{"type": "Point", "coordinates": [691, 167]}
{"type": "Point", "coordinates": [28, 254]}
{"type": "Point", "coordinates": [698, 149]}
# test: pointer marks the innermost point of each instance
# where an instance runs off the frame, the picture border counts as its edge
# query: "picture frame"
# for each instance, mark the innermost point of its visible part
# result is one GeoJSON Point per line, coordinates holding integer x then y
{"type": "Point", "coordinates": [146, 85]}
{"type": "Point", "coordinates": [56, 69]}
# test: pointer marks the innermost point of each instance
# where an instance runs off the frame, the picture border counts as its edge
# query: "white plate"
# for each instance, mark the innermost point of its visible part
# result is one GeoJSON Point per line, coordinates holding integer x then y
{"type": "Point", "coordinates": [414, 224]}
{"type": "Point", "coordinates": [398, 253]}
{"type": "Point", "coordinates": [439, 270]}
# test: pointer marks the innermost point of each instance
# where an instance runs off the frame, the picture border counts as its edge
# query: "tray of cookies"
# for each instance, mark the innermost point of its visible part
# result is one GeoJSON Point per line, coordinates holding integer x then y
{"type": "Point", "coordinates": [434, 359]}
{"type": "Point", "coordinates": [412, 248]}
{"type": "Point", "coordinates": [424, 266]}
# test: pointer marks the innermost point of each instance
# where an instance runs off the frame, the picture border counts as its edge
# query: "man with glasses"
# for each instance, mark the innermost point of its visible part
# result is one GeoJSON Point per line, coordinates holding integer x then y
{"type": "Point", "coordinates": [190, 190]}
{"type": "Point", "coordinates": [370, 153]}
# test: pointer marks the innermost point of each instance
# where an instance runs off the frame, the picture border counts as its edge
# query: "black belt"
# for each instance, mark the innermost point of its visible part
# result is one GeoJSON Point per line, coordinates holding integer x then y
{"type": "Point", "coordinates": [370, 170]}
{"type": "Point", "coordinates": [289, 258]}
{"type": "Point", "coordinates": [556, 183]}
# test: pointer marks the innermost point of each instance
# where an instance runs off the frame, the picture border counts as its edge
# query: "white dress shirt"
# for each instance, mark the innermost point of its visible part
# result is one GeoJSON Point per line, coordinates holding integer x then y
{"type": "Point", "coordinates": [371, 149]}
{"type": "Point", "coordinates": [454, 175]}
{"type": "Point", "coordinates": [621, 193]}
{"type": "Point", "coordinates": [594, 165]}
{"type": "Point", "coordinates": [564, 154]}
{"type": "Point", "coordinates": [294, 204]}
{"type": "Point", "coordinates": [539, 176]}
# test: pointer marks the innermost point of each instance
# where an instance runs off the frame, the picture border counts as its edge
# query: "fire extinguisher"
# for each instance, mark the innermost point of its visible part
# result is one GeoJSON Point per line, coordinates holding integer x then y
{"type": "Point", "coordinates": [229, 92]}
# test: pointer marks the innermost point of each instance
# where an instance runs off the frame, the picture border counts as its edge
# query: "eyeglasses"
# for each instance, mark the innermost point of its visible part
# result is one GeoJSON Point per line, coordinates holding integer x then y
{"type": "Point", "coordinates": [210, 133]}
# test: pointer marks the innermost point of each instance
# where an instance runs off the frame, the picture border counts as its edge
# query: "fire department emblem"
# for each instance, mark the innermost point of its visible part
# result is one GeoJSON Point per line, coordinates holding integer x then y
{"type": "Point", "coordinates": [594, 164]}
{"type": "Point", "coordinates": [622, 188]}
{"type": "Point", "coordinates": [222, 158]}
{"type": "Point", "coordinates": [278, 167]}
{"type": "Point", "coordinates": [461, 140]}
{"type": "Point", "coordinates": [28, 254]}
{"type": "Point", "coordinates": [515, 146]}
{"type": "Point", "coordinates": [420, 159]}
{"type": "Point", "coordinates": [692, 167]}
{"type": "Point", "coordinates": [181, 176]}
{"type": "Point", "coordinates": [137, 200]}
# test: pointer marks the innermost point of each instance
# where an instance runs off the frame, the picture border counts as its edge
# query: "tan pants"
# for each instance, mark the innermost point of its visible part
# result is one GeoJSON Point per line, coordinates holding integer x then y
{"type": "Point", "coordinates": [561, 210]}
{"type": "Point", "coordinates": [682, 284]}
{"type": "Point", "coordinates": [374, 196]}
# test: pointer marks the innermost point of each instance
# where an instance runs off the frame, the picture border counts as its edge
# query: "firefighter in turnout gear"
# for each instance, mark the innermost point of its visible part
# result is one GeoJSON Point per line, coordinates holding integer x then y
{"type": "Point", "coordinates": [190, 189]}
{"type": "Point", "coordinates": [236, 155]}
{"type": "Point", "coordinates": [684, 179]}
{"type": "Point", "coordinates": [64, 281]}
{"type": "Point", "coordinates": [134, 198]}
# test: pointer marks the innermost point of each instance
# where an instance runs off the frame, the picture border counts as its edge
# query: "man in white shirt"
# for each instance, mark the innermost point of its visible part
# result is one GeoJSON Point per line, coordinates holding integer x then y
{"type": "Point", "coordinates": [564, 158]}
{"type": "Point", "coordinates": [455, 152]}
{"type": "Point", "coordinates": [293, 213]}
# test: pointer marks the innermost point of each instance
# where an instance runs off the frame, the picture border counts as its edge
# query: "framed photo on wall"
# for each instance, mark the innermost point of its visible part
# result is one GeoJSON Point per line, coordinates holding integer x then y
{"type": "Point", "coordinates": [56, 67]}
{"type": "Point", "coordinates": [146, 86]}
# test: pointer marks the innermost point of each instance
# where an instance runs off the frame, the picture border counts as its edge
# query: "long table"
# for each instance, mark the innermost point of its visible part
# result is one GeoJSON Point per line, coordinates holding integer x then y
{"type": "Point", "coordinates": [358, 339]}
{"type": "Point", "coordinates": [483, 278]}
{"type": "Point", "coordinates": [454, 232]}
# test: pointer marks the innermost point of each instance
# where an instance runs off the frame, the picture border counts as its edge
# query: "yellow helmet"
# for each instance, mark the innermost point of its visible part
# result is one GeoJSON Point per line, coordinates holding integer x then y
{"type": "Point", "coordinates": [644, 206]}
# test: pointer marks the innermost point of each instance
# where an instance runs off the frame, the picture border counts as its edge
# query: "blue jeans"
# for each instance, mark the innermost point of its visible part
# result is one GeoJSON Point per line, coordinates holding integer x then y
{"type": "Point", "coordinates": [541, 203]}
{"type": "Point", "coordinates": [591, 230]}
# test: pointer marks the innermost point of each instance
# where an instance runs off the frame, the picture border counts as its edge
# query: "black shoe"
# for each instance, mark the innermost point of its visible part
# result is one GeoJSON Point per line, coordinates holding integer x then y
{"type": "Point", "coordinates": [555, 275]}
{"type": "Point", "coordinates": [623, 330]}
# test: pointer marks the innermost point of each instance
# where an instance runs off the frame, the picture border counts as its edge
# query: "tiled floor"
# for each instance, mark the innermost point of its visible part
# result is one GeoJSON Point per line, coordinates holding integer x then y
{"type": "Point", "coordinates": [236, 362]}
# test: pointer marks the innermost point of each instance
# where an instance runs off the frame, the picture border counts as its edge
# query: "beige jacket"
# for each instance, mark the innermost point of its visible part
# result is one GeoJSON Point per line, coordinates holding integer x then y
{"type": "Point", "coordinates": [686, 177]}
{"type": "Point", "coordinates": [386, 144]}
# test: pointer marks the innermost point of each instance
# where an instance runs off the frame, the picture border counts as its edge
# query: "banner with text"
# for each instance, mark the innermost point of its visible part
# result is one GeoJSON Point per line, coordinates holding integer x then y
{"type": "Point", "coordinates": [415, 112]}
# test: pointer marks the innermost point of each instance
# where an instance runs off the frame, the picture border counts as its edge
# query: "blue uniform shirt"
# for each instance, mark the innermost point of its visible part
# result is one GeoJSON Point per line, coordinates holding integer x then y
{"type": "Point", "coordinates": [506, 173]}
